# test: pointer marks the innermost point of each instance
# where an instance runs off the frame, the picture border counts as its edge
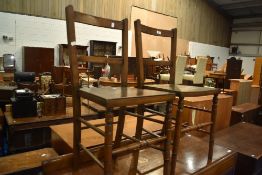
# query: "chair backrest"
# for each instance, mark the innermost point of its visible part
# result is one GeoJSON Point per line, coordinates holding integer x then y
{"type": "Point", "coordinates": [139, 29]}
{"type": "Point", "coordinates": [200, 70]}
{"type": "Point", "coordinates": [233, 70]}
{"type": "Point", "coordinates": [74, 16]}
{"type": "Point", "coordinates": [260, 88]}
{"type": "Point", "coordinates": [180, 68]}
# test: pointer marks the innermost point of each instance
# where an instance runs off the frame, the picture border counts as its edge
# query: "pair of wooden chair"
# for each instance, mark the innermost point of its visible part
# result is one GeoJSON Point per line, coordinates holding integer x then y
{"type": "Point", "coordinates": [111, 97]}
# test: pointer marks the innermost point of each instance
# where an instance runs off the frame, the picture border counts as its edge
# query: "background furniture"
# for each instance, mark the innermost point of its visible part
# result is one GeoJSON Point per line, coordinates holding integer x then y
{"type": "Point", "coordinates": [257, 71]}
{"type": "Point", "coordinates": [245, 139]}
{"type": "Point", "coordinates": [195, 117]}
{"type": "Point", "coordinates": [198, 77]}
{"type": "Point", "coordinates": [243, 88]}
{"type": "Point", "coordinates": [9, 63]}
{"type": "Point", "coordinates": [63, 53]}
{"type": "Point", "coordinates": [38, 59]}
{"type": "Point", "coordinates": [233, 70]}
{"type": "Point", "coordinates": [28, 133]}
{"type": "Point", "coordinates": [179, 71]}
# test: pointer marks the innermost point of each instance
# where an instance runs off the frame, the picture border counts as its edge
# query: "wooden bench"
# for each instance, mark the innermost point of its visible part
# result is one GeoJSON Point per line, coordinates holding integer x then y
{"type": "Point", "coordinates": [27, 162]}
{"type": "Point", "coordinates": [246, 112]}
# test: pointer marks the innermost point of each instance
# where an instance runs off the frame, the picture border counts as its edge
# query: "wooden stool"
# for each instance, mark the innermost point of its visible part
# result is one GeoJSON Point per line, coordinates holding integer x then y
{"type": "Point", "coordinates": [181, 91]}
{"type": "Point", "coordinates": [25, 163]}
{"type": "Point", "coordinates": [110, 97]}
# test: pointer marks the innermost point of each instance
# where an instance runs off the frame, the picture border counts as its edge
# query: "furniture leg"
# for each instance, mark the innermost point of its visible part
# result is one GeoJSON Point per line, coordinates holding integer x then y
{"type": "Point", "coordinates": [77, 133]}
{"type": "Point", "coordinates": [138, 135]}
{"type": "Point", "coordinates": [177, 134]}
{"type": "Point", "coordinates": [108, 166]}
{"type": "Point", "coordinates": [120, 127]}
{"type": "Point", "coordinates": [212, 127]}
{"type": "Point", "coordinates": [168, 134]}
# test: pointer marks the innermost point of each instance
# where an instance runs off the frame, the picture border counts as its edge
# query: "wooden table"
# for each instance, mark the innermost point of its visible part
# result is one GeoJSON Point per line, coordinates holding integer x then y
{"type": "Point", "coordinates": [192, 156]}
{"type": "Point", "coordinates": [104, 81]}
{"type": "Point", "coordinates": [245, 139]}
{"type": "Point", "coordinates": [33, 132]}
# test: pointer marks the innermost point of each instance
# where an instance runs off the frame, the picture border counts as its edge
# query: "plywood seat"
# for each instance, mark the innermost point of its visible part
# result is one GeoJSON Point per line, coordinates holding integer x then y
{"type": "Point", "coordinates": [27, 162]}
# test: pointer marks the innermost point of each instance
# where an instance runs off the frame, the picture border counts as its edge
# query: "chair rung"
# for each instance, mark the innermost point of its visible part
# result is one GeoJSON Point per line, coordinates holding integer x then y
{"type": "Point", "coordinates": [92, 156]}
{"type": "Point", "coordinates": [97, 125]}
{"type": "Point", "coordinates": [156, 112]}
{"type": "Point", "coordinates": [151, 133]}
{"type": "Point", "coordinates": [196, 108]}
{"type": "Point", "coordinates": [156, 147]}
{"type": "Point", "coordinates": [145, 118]}
{"type": "Point", "coordinates": [190, 128]}
{"type": "Point", "coordinates": [131, 138]}
{"type": "Point", "coordinates": [92, 127]}
{"type": "Point", "coordinates": [136, 145]}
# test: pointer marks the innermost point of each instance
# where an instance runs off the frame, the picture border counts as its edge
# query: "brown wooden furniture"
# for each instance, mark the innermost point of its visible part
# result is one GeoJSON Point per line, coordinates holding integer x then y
{"type": "Point", "coordinates": [194, 117]}
{"type": "Point", "coordinates": [243, 88]}
{"type": "Point", "coordinates": [245, 139]}
{"type": "Point", "coordinates": [26, 163]}
{"type": "Point", "coordinates": [64, 56]}
{"type": "Point", "coordinates": [113, 97]}
{"type": "Point", "coordinates": [33, 132]}
{"type": "Point", "coordinates": [102, 48]}
{"type": "Point", "coordinates": [233, 70]}
{"type": "Point", "coordinates": [257, 71]}
{"type": "Point", "coordinates": [38, 59]}
{"type": "Point", "coordinates": [180, 90]}
{"type": "Point", "coordinates": [246, 112]}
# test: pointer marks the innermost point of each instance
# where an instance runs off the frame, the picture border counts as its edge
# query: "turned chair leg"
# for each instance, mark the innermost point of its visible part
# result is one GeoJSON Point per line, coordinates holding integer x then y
{"type": "Point", "coordinates": [108, 165]}
{"type": "Point", "coordinates": [138, 135]}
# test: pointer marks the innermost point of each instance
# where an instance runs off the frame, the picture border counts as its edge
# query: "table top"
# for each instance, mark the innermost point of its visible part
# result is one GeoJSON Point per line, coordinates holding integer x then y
{"type": "Point", "coordinates": [244, 138]}
{"type": "Point", "coordinates": [124, 96]}
{"type": "Point", "coordinates": [45, 121]}
{"type": "Point", "coordinates": [184, 90]}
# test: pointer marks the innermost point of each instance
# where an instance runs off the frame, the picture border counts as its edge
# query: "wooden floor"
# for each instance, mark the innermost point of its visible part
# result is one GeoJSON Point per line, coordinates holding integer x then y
{"type": "Point", "coordinates": [192, 156]}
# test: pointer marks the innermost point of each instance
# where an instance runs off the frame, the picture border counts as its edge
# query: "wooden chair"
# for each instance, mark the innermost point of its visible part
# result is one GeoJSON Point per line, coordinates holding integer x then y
{"type": "Point", "coordinates": [233, 70]}
{"type": "Point", "coordinates": [110, 97]}
{"type": "Point", "coordinates": [181, 91]}
{"type": "Point", "coordinates": [198, 77]}
{"type": "Point", "coordinates": [180, 67]}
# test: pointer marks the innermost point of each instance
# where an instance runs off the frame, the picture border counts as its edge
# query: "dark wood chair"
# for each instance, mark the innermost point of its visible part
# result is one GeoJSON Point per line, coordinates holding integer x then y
{"type": "Point", "coordinates": [181, 91]}
{"type": "Point", "coordinates": [233, 70]}
{"type": "Point", "coordinates": [110, 97]}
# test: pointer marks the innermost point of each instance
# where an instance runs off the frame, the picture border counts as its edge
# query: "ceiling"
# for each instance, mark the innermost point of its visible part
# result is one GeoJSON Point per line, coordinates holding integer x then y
{"type": "Point", "coordinates": [245, 13]}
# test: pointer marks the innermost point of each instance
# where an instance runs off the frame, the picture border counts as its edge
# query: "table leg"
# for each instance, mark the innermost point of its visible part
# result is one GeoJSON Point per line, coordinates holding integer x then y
{"type": "Point", "coordinates": [176, 139]}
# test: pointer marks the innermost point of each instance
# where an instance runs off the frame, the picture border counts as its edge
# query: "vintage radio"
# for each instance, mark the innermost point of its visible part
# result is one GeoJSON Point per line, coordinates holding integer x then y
{"type": "Point", "coordinates": [53, 104]}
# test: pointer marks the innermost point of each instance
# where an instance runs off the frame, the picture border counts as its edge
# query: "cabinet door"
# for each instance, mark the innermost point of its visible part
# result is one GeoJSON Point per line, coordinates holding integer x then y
{"type": "Point", "coordinates": [37, 59]}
